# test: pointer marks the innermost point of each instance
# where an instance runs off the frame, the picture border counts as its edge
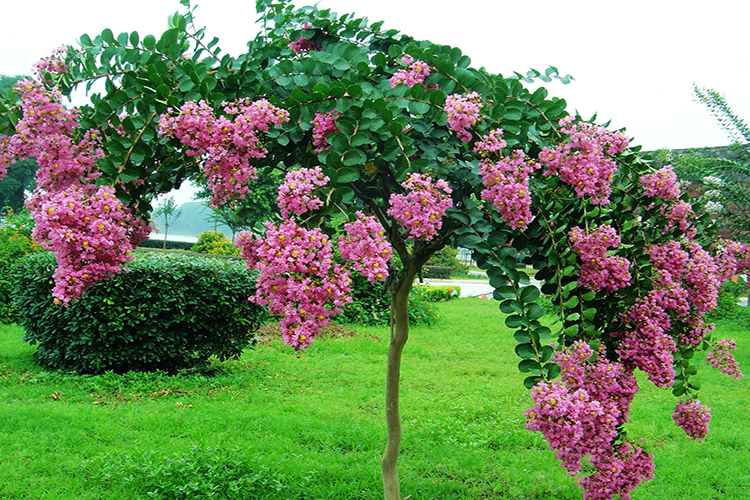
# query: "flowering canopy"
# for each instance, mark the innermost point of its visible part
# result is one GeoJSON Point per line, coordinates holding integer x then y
{"type": "Point", "coordinates": [414, 149]}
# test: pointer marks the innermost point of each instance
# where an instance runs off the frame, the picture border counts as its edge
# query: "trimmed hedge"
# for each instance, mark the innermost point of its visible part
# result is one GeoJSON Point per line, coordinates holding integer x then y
{"type": "Point", "coordinates": [171, 245]}
{"type": "Point", "coordinates": [437, 272]}
{"type": "Point", "coordinates": [438, 293]}
{"type": "Point", "coordinates": [169, 312]}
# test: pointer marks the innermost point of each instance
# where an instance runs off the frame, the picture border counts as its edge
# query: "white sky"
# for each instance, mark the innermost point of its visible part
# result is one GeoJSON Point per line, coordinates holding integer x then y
{"type": "Point", "coordinates": [633, 62]}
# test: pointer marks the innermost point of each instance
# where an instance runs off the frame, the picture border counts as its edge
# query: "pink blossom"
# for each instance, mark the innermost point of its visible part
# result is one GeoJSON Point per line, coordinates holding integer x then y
{"type": "Point", "coordinates": [303, 45]}
{"type": "Point", "coordinates": [229, 146]}
{"type": "Point", "coordinates": [490, 143]}
{"type": "Point", "coordinates": [297, 279]}
{"type": "Point", "coordinates": [680, 214]}
{"type": "Point", "coordinates": [506, 186]}
{"type": "Point", "coordinates": [416, 72]}
{"type": "Point", "coordinates": [463, 113]}
{"type": "Point", "coordinates": [721, 356]}
{"type": "Point", "coordinates": [366, 247]}
{"type": "Point", "coordinates": [617, 472]}
{"type": "Point", "coordinates": [600, 271]}
{"type": "Point", "coordinates": [295, 193]}
{"type": "Point", "coordinates": [420, 211]}
{"type": "Point", "coordinates": [324, 125]}
{"type": "Point", "coordinates": [662, 183]}
{"type": "Point", "coordinates": [54, 64]}
{"type": "Point", "coordinates": [584, 161]}
{"type": "Point", "coordinates": [693, 418]}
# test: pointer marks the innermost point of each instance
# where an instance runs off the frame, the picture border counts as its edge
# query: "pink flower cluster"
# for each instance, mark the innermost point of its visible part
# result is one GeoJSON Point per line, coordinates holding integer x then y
{"type": "Point", "coordinates": [303, 45]}
{"type": "Point", "coordinates": [54, 64]}
{"type": "Point", "coordinates": [645, 343]}
{"type": "Point", "coordinates": [490, 143]}
{"type": "Point", "coordinates": [731, 258]}
{"type": "Point", "coordinates": [721, 356]}
{"type": "Point", "coordinates": [91, 233]}
{"type": "Point", "coordinates": [662, 183]}
{"type": "Point", "coordinates": [420, 211]}
{"type": "Point", "coordinates": [230, 145]}
{"type": "Point", "coordinates": [416, 72]}
{"type": "Point", "coordinates": [46, 133]}
{"type": "Point", "coordinates": [579, 417]}
{"type": "Point", "coordinates": [617, 473]}
{"type": "Point", "coordinates": [366, 248]}
{"type": "Point", "coordinates": [600, 271]}
{"type": "Point", "coordinates": [297, 280]}
{"type": "Point", "coordinates": [584, 160]}
{"type": "Point", "coordinates": [463, 113]}
{"type": "Point", "coordinates": [693, 418]}
{"type": "Point", "coordinates": [296, 192]}
{"type": "Point", "coordinates": [324, 125]}
{"type": "Point", "coordinates": [680, 214]}
{"type": "Point", "coordinates": [506, 185]}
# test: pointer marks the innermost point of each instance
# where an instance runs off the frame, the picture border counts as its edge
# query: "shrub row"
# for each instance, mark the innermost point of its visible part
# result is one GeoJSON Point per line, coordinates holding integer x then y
{"type": "Point", "coordinates": [171, 245]}
{"type": "Point", "coordinates": [169, 312]}
{"type": "Point", "coordinates": [438, 293]}
{"type": "Point", "coordinates": [437, 272]}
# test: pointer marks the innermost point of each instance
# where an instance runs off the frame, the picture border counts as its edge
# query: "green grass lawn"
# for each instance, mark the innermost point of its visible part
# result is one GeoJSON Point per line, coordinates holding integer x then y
{"type": "Point", "coordinates": [272, 426]}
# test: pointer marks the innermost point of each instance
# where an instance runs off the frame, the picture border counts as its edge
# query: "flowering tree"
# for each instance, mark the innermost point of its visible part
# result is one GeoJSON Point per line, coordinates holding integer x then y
{"type": "Point", "coordinates": [415, 149]}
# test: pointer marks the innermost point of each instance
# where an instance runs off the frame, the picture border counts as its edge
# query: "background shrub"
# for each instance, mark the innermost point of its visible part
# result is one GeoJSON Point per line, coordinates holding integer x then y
{"type": "Point", "coordinates": [436, 272]}
{"type": "Point", "coordinates": [171, 245]}
{"type": "Point", "coordinates": [215, 243]}
{"type": "Point", "coordinates": [727, 302]}
{"type": "Point", "coordinates": [371, 304]}
{"type": "Point", "coordinates": [15, 242]}
{"type": "Point", "coordinates": [169, 312]}
{"type": "Point", "coordinates": [447, 257]}
{"type": "Point", "coordinates": [438, 293]}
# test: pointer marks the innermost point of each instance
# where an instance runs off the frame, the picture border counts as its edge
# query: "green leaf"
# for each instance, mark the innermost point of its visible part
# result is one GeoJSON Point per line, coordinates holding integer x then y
{"type": "Point", "coordinates": [354, 157]}
{"type": "Point", "coordinates": [347, 174]}
{"type": "Point", "coordinates": [513, 321]}
{"type": "Point", "coordinates": [529, 293]}
{"type": "Point", "coordinates": [530, 382]}
{"type": "Point", "coordinates": [551, 370]}
{"type": "Point", "coordinates": [525, 351]}
{"type": "Point", "coordinates": [530, 365]}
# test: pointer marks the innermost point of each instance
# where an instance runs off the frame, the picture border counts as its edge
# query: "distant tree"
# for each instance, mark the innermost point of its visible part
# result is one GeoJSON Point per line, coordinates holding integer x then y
{"type": "Point", "coordinates": [167, 212]}
{"type": "Point", "coordinates": [20, 180]}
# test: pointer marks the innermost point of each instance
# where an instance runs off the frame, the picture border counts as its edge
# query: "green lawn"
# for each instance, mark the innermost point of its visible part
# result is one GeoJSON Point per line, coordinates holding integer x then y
{"type": "Point", "coordinates": [271, 426]}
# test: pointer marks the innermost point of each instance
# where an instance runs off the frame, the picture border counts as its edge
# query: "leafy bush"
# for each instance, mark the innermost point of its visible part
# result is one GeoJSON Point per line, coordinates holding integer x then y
{"type": "Point", "coordinates": [448, 257]}
{"type": "Point", "coordinates": [15, 242]}
{"type": "Point", "coordinates": [169, 312]}
{"type": "Point", "coordinates": [436, 272]}
{"type": "Point", "coordinates": [171, 245]}
{"type": "Point", "coordinates": [371, 304]}
{"type": "Point", "coordinates": [729, 295]}
{"type": "Point", "coordinates": [438, 293]}
{"type": "Point", "coordinates": [215, 243]}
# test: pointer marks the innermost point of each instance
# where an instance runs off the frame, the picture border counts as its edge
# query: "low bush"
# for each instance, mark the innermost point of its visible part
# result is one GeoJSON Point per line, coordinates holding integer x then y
{"type": "Point", "coordinates": [726, 303]}
{"type": "Point", "coordinates": [15, 242]}
{"type": "Point", "coordinates": [439, 293]}
{"type": "Point", "coordinates": [448, 257]}
{"type": "Point", "coordinates": [171, 245]}
{"type": "Point", "coordinates": [437, 272]}
{"type": "Point", "coordinates": [168, 312]}
{"type": "Point", "coordinates": [214, 243]}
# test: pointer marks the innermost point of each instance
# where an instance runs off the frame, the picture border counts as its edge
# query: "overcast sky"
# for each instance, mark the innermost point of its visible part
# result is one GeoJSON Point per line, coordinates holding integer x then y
{"type": "Point", "coordinates": [634, 62]}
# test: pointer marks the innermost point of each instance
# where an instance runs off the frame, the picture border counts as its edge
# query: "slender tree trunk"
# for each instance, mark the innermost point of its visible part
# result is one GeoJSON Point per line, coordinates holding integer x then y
{"type": "Point", "coordinates": [166, 232]}
{"type": "Point", "coordinates": [399, 335]}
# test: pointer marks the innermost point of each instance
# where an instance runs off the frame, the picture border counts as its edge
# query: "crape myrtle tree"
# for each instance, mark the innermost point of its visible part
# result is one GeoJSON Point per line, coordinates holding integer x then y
{"type": "Point", "coordinates": [415, 149]}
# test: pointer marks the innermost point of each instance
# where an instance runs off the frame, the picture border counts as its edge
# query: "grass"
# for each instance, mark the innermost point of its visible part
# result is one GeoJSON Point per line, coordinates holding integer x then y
{"type": "Point", "coordinates": [271, 426]}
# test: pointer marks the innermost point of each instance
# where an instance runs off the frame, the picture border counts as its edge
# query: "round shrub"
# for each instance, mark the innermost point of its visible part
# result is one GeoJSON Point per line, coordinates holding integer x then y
{"type": "Point", "coordinates": [168, 312]}
{"type": "Point", "coordinates": [214, 243]}
{"type": "Point", "coordinates": [15, 242]}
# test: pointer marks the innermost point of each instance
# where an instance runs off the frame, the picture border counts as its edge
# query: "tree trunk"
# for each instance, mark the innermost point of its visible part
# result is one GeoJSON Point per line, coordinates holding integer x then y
{"type": "Point", "coordinates": [399, 335]}
{"type": "Point", "coordinates": [166, 232]}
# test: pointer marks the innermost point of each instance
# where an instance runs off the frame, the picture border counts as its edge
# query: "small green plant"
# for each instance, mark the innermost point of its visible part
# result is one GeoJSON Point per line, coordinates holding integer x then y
{"type": "Point", "coordinates": [439, 293]}
{"type": "Point", "coordinates": [168, 312]}
{"type": "Point", "coordinates": [15, 242]}
{"type": "Point", "coordinates": [447, 257]}
{"type": "Point", "coordinates": [215, 243]}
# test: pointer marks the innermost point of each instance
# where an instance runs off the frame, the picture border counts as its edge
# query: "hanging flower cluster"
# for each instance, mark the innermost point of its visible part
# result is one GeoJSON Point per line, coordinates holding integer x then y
{"type": "Point", "coordinates": [53, 64]}
{"type": "Point", "coordinates": [415, 72]}
{"type": "Point", "coordinates": [731, 258]}
{"type": "Point", "coordinates": [579, 417]}
{"type": "Point", "coordinates": [366, 247]}
{"type": "Point", "coordinates": [463, 113]}
{"type": "Point", "coordinates": [584, 160]}
{"type": "Point", "coordinates": [420, 211]}
{"type": "Point", "coordinates": [324, 124]}
{"type": "Point", "coordinates": [600, 271]}
{"type": "Point", "coordinates": [680, 214]}
{"type": "Point", "coordinates": [229, 145]}
{"type": "Point", "coordinates": [91, 234]}
{"type": "Point", "coordinates": [662, 183]}
{"type": "Point", "coordinates": [721, 356]}
{"type": "Point", "coordinates": [506, 186]}
{"type": "Point", "coordinates": [297, 280]}
{"type": "Point", "coordinates": [296, 192]}
{"type": "Point", "coordinates": [693, 418]}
